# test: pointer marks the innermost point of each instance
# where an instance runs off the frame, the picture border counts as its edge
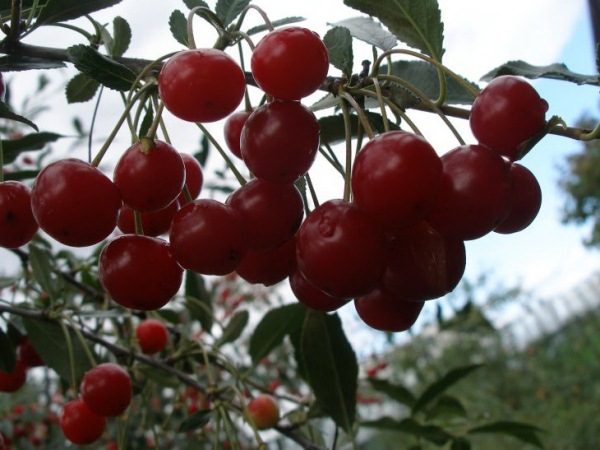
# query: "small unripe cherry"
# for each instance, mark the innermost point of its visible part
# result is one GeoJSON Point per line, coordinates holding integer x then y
{"type": "Point", "coordinates": [263, 412]}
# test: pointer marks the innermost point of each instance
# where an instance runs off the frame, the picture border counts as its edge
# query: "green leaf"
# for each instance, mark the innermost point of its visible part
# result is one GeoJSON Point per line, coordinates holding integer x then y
{"type": "Point", "coordinates": [121, 37]}
{"type": "Point", "coordinates": [275, 23]}
{"type": "Point", "coordinates": [438, 387]}
{"type": "Point", "coordinates": [158, 376]}
{"type": "Point", "coordinates": [16, 63]}
{"type": "Point", "coordinates": [169, 315]}
{"type": "Point", "coordinates": [62, 10]}
{"type": "Point", "coordinates": [394, 391]}
{"type": "Point", "coordinates": [338, 41]}
{"type": "Point", "coordinates": [8, 357]}
{"type": "Point", "coordinates": [49, 341]}
{"type": "Point", "coordinates": [522, 431]}
{"type": "Point", "coordinates": [30, 142]}
{"type": "Point", "coordinates": [196, 420]}
{"type": "Point", "coordinates": [555, 71]}
{"type": "Point", "coordinates": [81, 88]}
{"type": "Point", "coordinates": [432, 433]}
{"type": "Point", "coordinates": [416, 23]}
{"type": "Point", "coordinates": [331, 366]}
{"type": "Point", "coordinates": [332, 127]}
{"type": "Point", "coordinates": [101, 68]}
{"type": "Point", "coordinates": [197, 300]}
{"type": "Point", "coordinates": [367, 30]}
{"type": "Point", "coordinates": [460, 443]}
{"type": "Point", "coordinates": [191, 4]}
{"type": "Point", "coordinates": [21, 175]}
{"type": "Point", "coordinates": [234, 328]}
{"type": "Point", "coordinates": [273, 327]}
{"type": "Point", "coordinates": [41, 265]}
{"type": "Point", "coordinates": [447, 406]}
{"type": "Point", "coordinates": [228, 10]}
{"type": "Point", "coordinates": [6, 113]}
{"type": "Point", "coordinates": [178, 27]}
{"type": "Point", "coordinates": [146, 121]}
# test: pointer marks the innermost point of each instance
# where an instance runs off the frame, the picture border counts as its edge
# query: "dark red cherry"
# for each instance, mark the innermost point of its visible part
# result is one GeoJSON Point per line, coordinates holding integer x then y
{"type": "Point", "coordinates": [154, 223]}
{"type": "Point", "coordinates": [106, 389]}
{"type": "Point", "coordinates": [13, 381]}
{"type": "Point", "coordinates": [232, 131]}
{"type": "Point", "coordinates": [17, 224]}
{"type": "Point", "coordinates": [28, 354]}
{"type": "Point", "coordinates": [268, 267]}
{"type": "Point", "coordinates": [386, 312]}
{"type": "Point", "coordinates": [79, 424]}
{"type": "Point", "coordinates": [194, 178]}
{"type": "Point", "coordinates": [312, 297]}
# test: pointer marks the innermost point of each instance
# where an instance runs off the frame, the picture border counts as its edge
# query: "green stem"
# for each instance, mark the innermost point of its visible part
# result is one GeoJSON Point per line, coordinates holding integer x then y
{"type": "Point", "coordinates": [594, 134]}
{"type": "Point", "coordinates": [155, 123]}
{"type": "Point", "coordinates": [348, 167]}
{"type": "Point", "coordinates": [360, 113]}
{"type": "Point", "coordinates": [130, 123]}
{"type": "Point", "coordinates": [71, 355]}
{"type": "Point", "coordinates": [84, 344]}
{"type": "Point", "coordinates": [395, 108]}
{"type": "Point", "coordinates": [163, 127]}
{"type": "Point", "coordinates": [137, 222]}
{"type": "Point", "coordinates": [223, 154]}
{"type": "Point", "coordinates": [81, 31]}
{"type": "Point", "coordinates": [336, 165]}
{"type": "Point", "coordinates": [210, 17]}
{"type": "Point", "coordinates": [311, 188]}
{"type": "Point", "coordinates": [386, 124]}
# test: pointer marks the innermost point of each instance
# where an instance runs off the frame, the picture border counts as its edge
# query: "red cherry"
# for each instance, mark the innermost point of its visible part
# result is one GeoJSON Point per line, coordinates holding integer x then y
{"type": "Point", "coordinates": [233, 131]}
{"type": "Point", "coordinates": [262, 411]}
{"type": "Point", "coordinates": [396, 178]}
{"type": "Point", "coordinates": [154, 223]}
{"type": "Point", "coordinates": [268, 266]}
{"type": "Point", "coordinates": [423, 264]}
{"type": "Point", "coordinates": [280, 141]}
{"type": "Point", "coordinates": [340, 250]}
{"type": "Point", "coordinates": [106, 389]}
{"type": "Point", "coordinates": [79, 424]}
{"type": "Point", "coordinates": [475, 193]}
{"type": "Point", "coordinates": [75, 203]}
{"type": "Point", "coordinates": [386, 312]}
{"type": "Point", "coordinates": [290, 63]}
{"type": "Point", "coordinates": [312, 297]}
{"type": "Point", "coordinates": [193, 177]}
{"type": "Point", "coordinates": [507, 112]}
{"type": "Point", "coordinates": [152, 336]}
{"type": "Point", "coordinates": [139, 272]}
{"type": "Point", "coordinates": [28, 354]}
{"type": "Point", "coordinates": [150, 179]}
{"type": "Point", "coordinates": [201, 85]}
{"type": "Point", "coordinates": [208, 237]}
{"type": "Point", "coordinates": [14, 380]}
{"type": "Point", "coordinates": [526, 200]}
{"type": "Point", "coordinates": [272, 212]}
{"type": "Point", "coordinates": [17, 224]}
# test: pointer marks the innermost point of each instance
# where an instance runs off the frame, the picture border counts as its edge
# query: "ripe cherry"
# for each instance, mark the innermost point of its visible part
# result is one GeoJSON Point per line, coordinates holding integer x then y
{"type": "Point", "coordinates": [232, 131]}
{"type": "Point", "coordinates": [150, 175]}
{"type": "Point", "coordinates": [507, 112]}
{"type": "Point", "coordinates": [106, 389]}
{"type": "Point", "coordinates": [268, 266]}
{"type": "Point", "coordinates": [201, 85]}
{"type": "Point", "coordinates": [194, 177]}
{"type": "Point", "coordinates": [152, 336]}
{"type": "Point", "coordinates": [340, 250]}
{"type": "Point", "coordinates": [28, 354]}
{"type": "Point", "coordinates": [79, 424]}
{"type": "Point", "coordinates": [387, 312]}
{"type": "Point", "coordinates": [208, 237]}
{"type": "Point", "coordinates": [139, 272]}
{"type": "Point", "coordinates": [154, 223]}
{"type": "Point", "coordinates": [423, 264]}
{"type": "Point", "coordinates": [396, 178]}
{"type": "Point", "coordinates": [272, 212]}
{"type": "Point", "coordinates": [290, 63]}
{"type": "Point", "coordinates": [13, 381]}
{"type": "Point", "coordinates": [75, 203]}
{"type": "Point", "coordinates": [17, 224]}
{"type": "Point", "coordinates": [312, 297]}
{"type": "Point", "coordinates": [475, 194]}
{"type": "Point", "coordinates": [280, 141]}
{"type": "Point", "coordinates": [262, 411]}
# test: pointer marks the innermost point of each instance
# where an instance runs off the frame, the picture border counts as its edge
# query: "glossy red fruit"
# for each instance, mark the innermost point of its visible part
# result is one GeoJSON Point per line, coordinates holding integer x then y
{"type": "Point", "coordinates": [423, 264]}
{"type": "Point", "coordinates": [396, 178]}
{"type": "Point", "coordinates": [75, 203]}
{"type": "Point", "coordinates": [194, 178]}
{"type": "Point", "coordinates": [262, 411]}
{"type": "Point", "coordinates": [232, 131]}
{"type": "Point", "coordinates": [208, 237]}
{"type": "Point", "coordinates": [28, 354]}
{"type": "Point", "coordinates": [386, 312]}
{"type": "Point", "coordinates": [17, 224]}
{"type": "Point", "coordinates": [149, 175]}
{"type": "Point", "coordinates": [312, 297]}
{"type": "Point", "coordinates": [139, 272]}
{"type": "Point", "coordinates": [290, 63]}
{"type": "Point", "coordinates": [154, 223]}
{"type": "Point", "coordinates": [152, 336]}
{"type": "Point", "coordinates": [79, 424]}
{"type": "Point", "coordinates": [526, 200]}
{"type": "Point", "coordinates": [106, 389]}
{"type": "Point", "coordinates": [13, 381]}
{"type": "Point", "coordinates": [272, 212]}
{"type": "Point", "coordinates": [201, 85]}
{"type": "Point", "coordinates": [475, 194]}
{"type": "Point", "coordinates": [340, 250]}
{"type": "Point", "coordinates": [280, 141]}
{"type": "Point", "coordinates": [268, 267]}
{"type": "Point", "coordinates": [507, 112]}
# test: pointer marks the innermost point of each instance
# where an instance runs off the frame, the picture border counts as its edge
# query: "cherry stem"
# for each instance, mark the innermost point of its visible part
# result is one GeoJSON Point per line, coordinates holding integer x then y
{"type": "Point", "coordinates": [151, 134]}
{"type": "Point", "coordinates": [359, 111]}
{"type": "Point", "coordinates": [130, 123]}
{"type": "Point", "coordinates": [137, 223]}
{"type": "Point", "coordinates": [594, 134]}
{"type": "Point", "coordinates": [223, 154]}
{"type": "Point", "coordinates": [15, 20]}
{"type": "Point", "coordinates": [395, 108]}
{"type": "Point", "coordinates": [386, 125]}
{"type": "Point", "coordinates": [262, 13]}
{"type": "Point", "coordinates": [1, 160]}
{"type": "Point", "coordinates": [206, 14]}
{"type": "Point", "coordinates": [246, 37]}
{"type": "Point", "coordinates": [333, 162]}
{"type": "Point", "coordinates": [348, 134]}
{"type": "Point", "coordinates": [69, 343]}
{"type": "Point", "coordinates": [311, 188]}
{"type": "Point", "coordinates": [247, 102]}
{"type": "Point", "coordinates": [163, 127]}
{"type": "Point", "coordinates": [83, 342]}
